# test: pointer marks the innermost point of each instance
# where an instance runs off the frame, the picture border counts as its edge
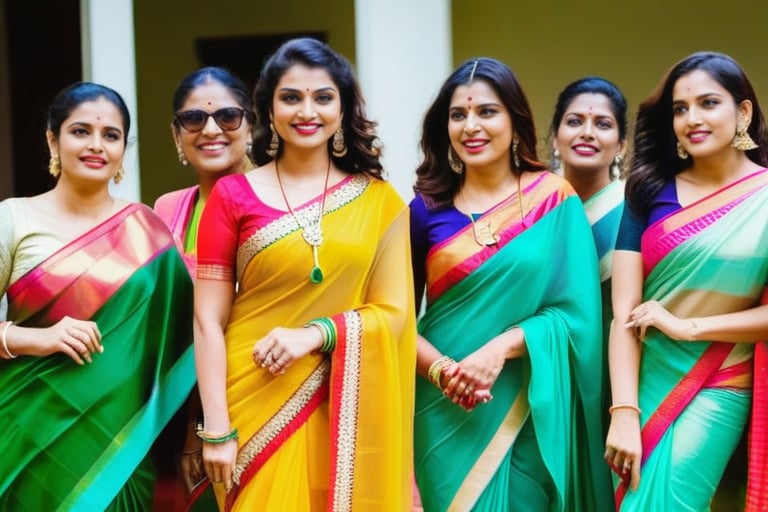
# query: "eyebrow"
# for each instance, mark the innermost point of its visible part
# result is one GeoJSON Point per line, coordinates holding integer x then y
{"type": "Point", "coordinates": [89, 125]}
{"type": "Point", "coordinates": [479, 105]}
{"type": "Point", "coordinates": [322, 89]}
{"type": "Point", "coordinates": [700, 96]}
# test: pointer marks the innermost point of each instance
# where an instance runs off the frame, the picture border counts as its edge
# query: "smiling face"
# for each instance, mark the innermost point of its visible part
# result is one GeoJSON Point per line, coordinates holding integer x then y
{"type": "Point", "coordinates": [213, 150]}
{"type": "Point", "coordinates": [588, 135]}
{"type": "Point", "coordinates": [90, 142]}
{"type": "Point", "coordinates": [306, 108]}
{"type": "Point", "coordinates": [479, 126]}
{"type": "Point", "coordinates": [705, 115]}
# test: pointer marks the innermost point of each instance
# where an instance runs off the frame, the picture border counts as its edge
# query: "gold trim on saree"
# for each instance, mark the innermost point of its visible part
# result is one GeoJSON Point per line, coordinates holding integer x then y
{"type": "Point", "coordinates": [489, 461]}
{"type": "Point", "coordinates": [350, 394]}
{"type": "Point", "coordinates": [286, 224]}
{"type": "Point", "coordinates": [272, 428]}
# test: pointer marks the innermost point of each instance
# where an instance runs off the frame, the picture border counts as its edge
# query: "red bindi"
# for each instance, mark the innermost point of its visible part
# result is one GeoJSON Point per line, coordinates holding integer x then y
{"type": "Point", "coordinates": [469, 98]}
{"type": "Point", "coordinates": [209, 103]}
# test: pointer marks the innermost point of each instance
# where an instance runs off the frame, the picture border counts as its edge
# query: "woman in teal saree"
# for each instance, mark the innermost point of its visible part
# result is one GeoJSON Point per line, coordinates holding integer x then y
{"type": "Point", "coordinates": [691, 267]}
{"type": "Point", "coordinates": [96, 349]}
{"type": "Point", "coordinates": [508, 397]}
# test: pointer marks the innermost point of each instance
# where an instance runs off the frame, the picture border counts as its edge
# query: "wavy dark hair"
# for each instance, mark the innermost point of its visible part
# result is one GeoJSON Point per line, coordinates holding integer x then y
{"type": "Point", "coordinates": [655, 161]}
{"type": "Point", "coordinates": [213, 74]}
{"type": "Point", "coordinates": [71, 97]}
{"type": "Point", "coordinates": [591, 85]}
{"type": "Point", "coordinates": [363, 147]}
{"type": "Point", "coordinates": [434, 178]}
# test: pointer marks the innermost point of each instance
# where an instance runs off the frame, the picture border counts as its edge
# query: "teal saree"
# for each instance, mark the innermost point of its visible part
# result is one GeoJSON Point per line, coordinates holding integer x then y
{"type": "Point", "coordinates": [78, 437]}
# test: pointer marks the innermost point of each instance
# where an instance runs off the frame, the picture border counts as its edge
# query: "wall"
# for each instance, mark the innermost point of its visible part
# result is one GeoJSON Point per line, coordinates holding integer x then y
{"type": "Point", "coordinates": [6, 142]}
{"type": "Point", "coordinates": [165, 37]}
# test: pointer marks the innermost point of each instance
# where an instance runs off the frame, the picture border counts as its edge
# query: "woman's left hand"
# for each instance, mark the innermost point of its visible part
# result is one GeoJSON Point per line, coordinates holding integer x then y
{"type": "Point", "coordinates": [653, 314]}
{"type": "Point", "coordinates": [282, 346]}
{"type": "Point", "coordinates": [479, 371]}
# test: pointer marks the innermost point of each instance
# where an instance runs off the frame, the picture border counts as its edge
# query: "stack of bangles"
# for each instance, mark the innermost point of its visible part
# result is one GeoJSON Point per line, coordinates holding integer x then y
{"type": "Point", "coordinates": [624, 406]}
{"type": "Point", "coordinates": [327, 331]}
{"type": "Point", "coordinates": [217, 438]}
{"type": "Point", "coordinates": [435, 371]}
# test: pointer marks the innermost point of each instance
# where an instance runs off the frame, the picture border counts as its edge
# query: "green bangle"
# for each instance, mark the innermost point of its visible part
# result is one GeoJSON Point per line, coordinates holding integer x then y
{"type": "Point", "coordinates": [217, 438]}
{"type": "Point", "coordinates": [328, 331]}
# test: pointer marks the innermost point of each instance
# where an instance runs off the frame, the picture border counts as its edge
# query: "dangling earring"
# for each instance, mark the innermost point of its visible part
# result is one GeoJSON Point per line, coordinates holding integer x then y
{"type": "Point", "coordinates": [515, 156]}
{"type": "Point", "coordinates": [248, 148]}
{"type": "Point", "coordinates": [54, 166]}
{"type": "Point", "coordinates": [742, 141]}
{"type": "Point", "coordinates": [274, 142]}
{"type": "Point", "coordinates": [682, 154]}
{"type": "Point", "coordinates": [182, 159]}
{"type": "Point", "coordinates": [339, 148]}
{"type": "Point", "coordinates": [118, 177]}
{"type": "Point", "coordinates": [555, 159]}
{"type": "Point", "coordinates": [615, 170]}
{"type": "Point", "coordinates": [454, 162]}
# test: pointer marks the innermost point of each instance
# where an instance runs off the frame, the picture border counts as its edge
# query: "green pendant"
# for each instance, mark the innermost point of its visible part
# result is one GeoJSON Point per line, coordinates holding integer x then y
{"type": "Point", "coordinates": [316, 276]}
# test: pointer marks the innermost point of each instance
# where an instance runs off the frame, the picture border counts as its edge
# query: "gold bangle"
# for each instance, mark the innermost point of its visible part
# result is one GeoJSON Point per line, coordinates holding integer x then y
{"type": "Point", "coordinates": [624, 406]}
{"type": "Point", "coordinates": [10, 354]}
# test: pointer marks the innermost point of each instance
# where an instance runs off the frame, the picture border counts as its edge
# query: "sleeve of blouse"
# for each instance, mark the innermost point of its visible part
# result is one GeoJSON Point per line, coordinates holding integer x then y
{"type": "Point", "coordinates": [631, 231]}
{"type": "Point", "coordinates": [217, 236]}
{"type": "Point", "coordinates": [419, 243]}
{"type": "Point", "coordinates": [6, 246]}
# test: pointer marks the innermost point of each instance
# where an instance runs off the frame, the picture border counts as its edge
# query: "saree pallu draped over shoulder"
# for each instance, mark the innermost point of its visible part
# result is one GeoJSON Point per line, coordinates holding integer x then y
{"type": "Point", "coordinates": [543, 277]}
{"type": "Point", "coordinates": [77, 437]}
{"type": "Point", "coordinates": [334, 431]}
{"type": "Point", "coordinates": [708, 258]}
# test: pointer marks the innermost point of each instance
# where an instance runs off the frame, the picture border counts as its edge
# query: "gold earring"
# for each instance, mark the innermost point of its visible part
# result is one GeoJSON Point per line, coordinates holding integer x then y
{"type": "Point", "coordinates": [742, 141]}
{"type": "Point", "coordinates": [515, 156]}
{"type": "Point", "coordinates": [339, 148]}
{"type": "Point", "coordinates": [682, 154]}
{"type": "Point", "coordinates": [182, 159]}
{"type": "Point", "coordinates": [54, 166]}
{"type": "Point", "coordinates": [454, 162]}
{"type": "Point", "coordinates": [274, 142]}
{"type": "Point", "coordinates": [119, 175]}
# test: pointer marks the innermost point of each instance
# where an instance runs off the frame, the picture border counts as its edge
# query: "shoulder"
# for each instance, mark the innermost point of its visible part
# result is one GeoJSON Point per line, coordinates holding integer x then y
{"type": "Point", "coordinates": [171, 199]}
{"type": "Point", "coordinates": [555, 183]}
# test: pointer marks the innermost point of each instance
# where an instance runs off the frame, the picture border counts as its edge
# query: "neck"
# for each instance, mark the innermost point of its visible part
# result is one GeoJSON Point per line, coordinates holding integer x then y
{"type": "Point", "coordinates": [207, 181]}
{"type": "Point", "coordinates": [587, 183]}
{"type": "Point", "coordinates": [304, 163]}
{"type": "Point", "coordinates": [84, 200]}
{"type": "Point", "coordinates": [488, 180]}
{"type": "Point", "coordinates": [721, 169]}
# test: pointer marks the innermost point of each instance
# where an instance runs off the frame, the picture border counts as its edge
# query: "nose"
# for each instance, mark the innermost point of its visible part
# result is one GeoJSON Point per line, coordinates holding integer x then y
{"type": "Point", "coordinates": [210, 127]}
{"type": "Point", "coordinates": [96, 143]}
{"type": "Point", "coordinates": [470, 125]}
{"type": "Point", "coordinates": [587, 132]}
{"type": "Point", "coordinates": [307, 112]}
{"type": "Point", "coordinates": [693, 116]}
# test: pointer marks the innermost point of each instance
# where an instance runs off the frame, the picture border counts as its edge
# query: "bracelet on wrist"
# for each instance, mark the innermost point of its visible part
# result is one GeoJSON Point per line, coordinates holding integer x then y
{"type": "Point", "coordinates": [7, 354]}
{"type": "Point", "coordinates": [327, 331]}
{"type": "Point", "coordinates": [435, 371]}
{"type": "Point", "coordinates": [217, 437]}
{"type": "Point", "coordinates": [624, 406]}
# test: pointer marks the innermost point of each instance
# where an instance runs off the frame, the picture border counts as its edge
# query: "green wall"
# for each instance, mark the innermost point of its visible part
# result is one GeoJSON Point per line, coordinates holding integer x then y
{"type": "Point", "coordinates": [165, 38]}
{"type": "Point", "coordinates": [549, 43]}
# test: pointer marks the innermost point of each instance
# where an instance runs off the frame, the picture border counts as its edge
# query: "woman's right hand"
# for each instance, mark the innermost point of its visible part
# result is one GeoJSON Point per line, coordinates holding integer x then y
{"type": "Point", "coordinates": [78, 339]}
{"type": "Point", "coordinates": [623, 446]}
{"type": "Point", "coordinates": [219, 460]}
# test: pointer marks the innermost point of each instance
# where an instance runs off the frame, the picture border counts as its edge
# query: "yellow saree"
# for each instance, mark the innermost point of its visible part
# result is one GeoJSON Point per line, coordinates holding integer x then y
{"type": "Point", "coordinates": [333, 432]}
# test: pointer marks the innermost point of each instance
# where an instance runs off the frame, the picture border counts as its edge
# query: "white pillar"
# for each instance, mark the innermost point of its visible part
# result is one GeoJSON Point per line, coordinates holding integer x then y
{"type": "Point", "coordinates": [403, 55]}
{"type": "Point", "coordinates": [109, 59]}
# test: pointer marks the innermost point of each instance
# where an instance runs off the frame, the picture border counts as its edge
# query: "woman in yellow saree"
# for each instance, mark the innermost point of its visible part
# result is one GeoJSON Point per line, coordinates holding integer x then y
{"type": "Point", "coordinates": [304, 314]}
{"type": "Point", "coordinates": [690, 272]}
{"type": "Point", "coordinates": [97, 348]}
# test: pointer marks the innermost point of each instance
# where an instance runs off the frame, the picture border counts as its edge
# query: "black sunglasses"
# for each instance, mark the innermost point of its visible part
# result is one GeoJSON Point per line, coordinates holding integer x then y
{"type": "Point", "coordinates": [228, 119]}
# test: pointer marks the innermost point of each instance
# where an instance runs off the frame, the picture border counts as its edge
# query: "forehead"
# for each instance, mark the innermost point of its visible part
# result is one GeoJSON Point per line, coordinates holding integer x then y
{"type": "Point", "coordinates": [210, 96]}
{"type": "Point", "coordinates": [696, 83]}
{"type": "Point", "coordinates": [300, 76]}
{"type": "Point", "coordinates": [479, 91]}
{"type": "Point", "coordinates": [590, 103]}
{"type": "Point", "coordinates": [99, 111]}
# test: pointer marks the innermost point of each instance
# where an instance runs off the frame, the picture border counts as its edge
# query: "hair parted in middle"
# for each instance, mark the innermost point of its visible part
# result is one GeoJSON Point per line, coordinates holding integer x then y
{"type": "Point", "coordinates": [434, 178]}
{"type": "Point", "coordinates": [360, 137]}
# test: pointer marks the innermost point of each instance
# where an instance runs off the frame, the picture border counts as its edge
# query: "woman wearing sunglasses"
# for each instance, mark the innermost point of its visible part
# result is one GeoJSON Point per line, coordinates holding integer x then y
{"type": "Point", "coordinates": [304, 322]}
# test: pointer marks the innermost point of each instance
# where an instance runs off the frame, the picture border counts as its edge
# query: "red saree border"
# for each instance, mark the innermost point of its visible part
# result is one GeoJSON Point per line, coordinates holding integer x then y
{"type": "Point", "coordinates": [548, 194]}
{"type": "Point", "coordinates": [668, 233]}
{"type": "Point", "coordinates": [80, 277]}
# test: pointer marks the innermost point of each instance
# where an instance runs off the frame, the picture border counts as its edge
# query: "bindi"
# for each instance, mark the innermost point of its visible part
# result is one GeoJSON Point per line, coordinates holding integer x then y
{"type": "Point", "coordinates": [209, 103]}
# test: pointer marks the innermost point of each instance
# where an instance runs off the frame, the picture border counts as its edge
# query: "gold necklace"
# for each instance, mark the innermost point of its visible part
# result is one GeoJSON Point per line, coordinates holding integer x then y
{"type": "Point", "coordinates": [312, 232]}
{"type": "Point", "coordinates": [482, 231]}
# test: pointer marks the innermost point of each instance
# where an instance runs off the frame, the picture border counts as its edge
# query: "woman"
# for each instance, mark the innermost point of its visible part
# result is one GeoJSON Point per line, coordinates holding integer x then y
{"type": "Point", "coordinates": [690, 266]}
{"type": "Point", "coordinates": [589, 133]}
{"type": "Point", "coordinates": [307, 340]}
{"type": "Point", "coordinates": [97, 343]}
{"type": "Point", "coordinates": [212, 123]}
{"type": "Point", "coordinates": [507, 411]}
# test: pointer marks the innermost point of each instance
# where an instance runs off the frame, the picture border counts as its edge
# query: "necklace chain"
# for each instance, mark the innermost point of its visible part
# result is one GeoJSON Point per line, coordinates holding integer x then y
{"type": "Point", "coordinates": [485, 235]}
{"type": "Point", "coordinates": [312, 233]}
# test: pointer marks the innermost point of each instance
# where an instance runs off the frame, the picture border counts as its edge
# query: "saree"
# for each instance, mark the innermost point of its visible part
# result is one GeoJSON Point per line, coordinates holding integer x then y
{"type": "Point", "coordinates": [334, 431]}
{"type": "Point", "coordinates": [537, 445]}
{"type": "Point", "coordinates": [708, 258]}
{"type": "Point", "coordinates": [176, 209]}
{"type": "Point", "coordinates": [78, 437]}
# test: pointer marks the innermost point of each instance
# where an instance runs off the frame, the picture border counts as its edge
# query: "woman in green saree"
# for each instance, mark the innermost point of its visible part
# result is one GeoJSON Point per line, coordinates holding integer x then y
{"type": "Point", "coordinates": [690, 270]}
{"type": "Point", "coordinates": [509, 388]}
{"type": "Point", "coordinates": [96, 348]}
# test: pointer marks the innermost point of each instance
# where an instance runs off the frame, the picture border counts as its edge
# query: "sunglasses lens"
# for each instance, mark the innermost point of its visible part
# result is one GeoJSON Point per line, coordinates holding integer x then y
{"type": "Point", "coordinates": [192, 120]}
{"type": "Point", "coordinates": [228, 118]}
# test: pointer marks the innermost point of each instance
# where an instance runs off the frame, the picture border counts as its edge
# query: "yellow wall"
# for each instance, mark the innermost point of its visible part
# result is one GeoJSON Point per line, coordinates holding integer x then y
{"type": "Point", "coordinates": [549, 43]}
{"type": "Point", "coordinates": [165, 37]}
